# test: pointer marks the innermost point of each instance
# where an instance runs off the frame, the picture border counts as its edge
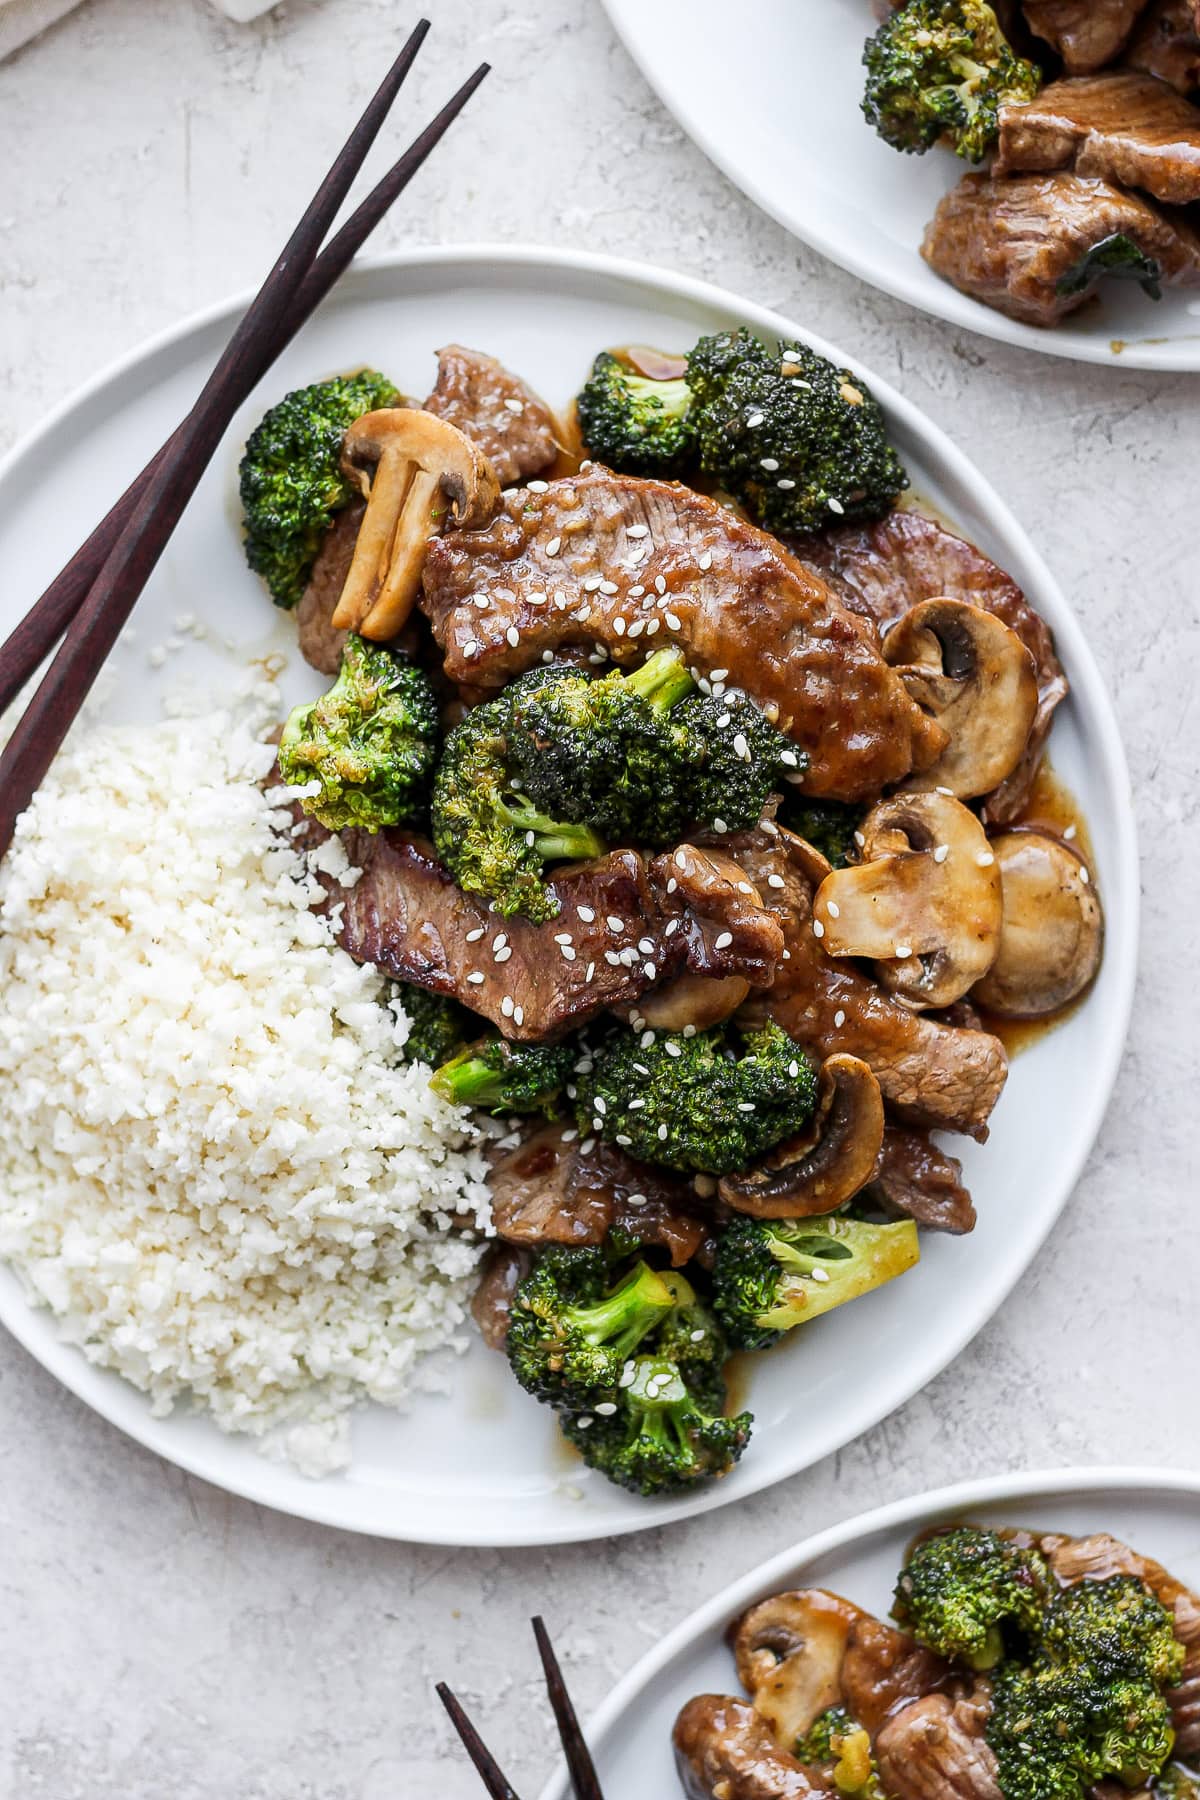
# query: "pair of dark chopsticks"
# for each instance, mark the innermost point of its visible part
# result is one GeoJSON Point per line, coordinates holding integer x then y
{"type": "Point", "coordinates": [91, 598]}
{"type": "Point", "coordinates": [585, 1783]}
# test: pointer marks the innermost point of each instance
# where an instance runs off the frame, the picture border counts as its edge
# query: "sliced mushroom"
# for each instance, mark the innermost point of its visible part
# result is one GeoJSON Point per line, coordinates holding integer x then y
{"type": "Point", "coordinates": [826, 1165]}
{"type": "Point", "coordinates": [408, 464]}
{"type": "Point", "coordinates": [1053, 930]}
{"type": "Point", "coordinates": [924, 903]}
{"type": "Point", "coordinates": [976, 678]}
{"type": "Point", "coordinates": [698, 1000]}
{"type": "Point", "coordinates": [789, 1652]}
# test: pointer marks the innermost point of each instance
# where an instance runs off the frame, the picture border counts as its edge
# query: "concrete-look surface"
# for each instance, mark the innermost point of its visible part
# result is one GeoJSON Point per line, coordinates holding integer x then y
{"type": "Point", "coordinates": [163, 1642]}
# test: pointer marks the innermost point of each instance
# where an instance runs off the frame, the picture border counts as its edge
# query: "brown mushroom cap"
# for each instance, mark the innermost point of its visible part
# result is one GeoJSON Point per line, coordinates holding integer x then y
{"type": "Point", "coordinates": [789, 1652]}
{"type": "Point", "coordinates": [827, 1164]}
{"type": "Point", "coordinates": [1052, 935]}
{"type": "Point", "coordinates": [407, 463]}
{"type": "Point", "coordinates": [924, 904]}
{"type": "Point", "coordinates": [976, 678]}
{"type": "Point", "coordinates": [724, 1748]}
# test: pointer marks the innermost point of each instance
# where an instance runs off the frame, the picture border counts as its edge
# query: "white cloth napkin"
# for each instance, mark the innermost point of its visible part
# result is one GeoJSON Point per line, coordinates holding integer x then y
{"type": "Point", "coordinates": [21, 20]}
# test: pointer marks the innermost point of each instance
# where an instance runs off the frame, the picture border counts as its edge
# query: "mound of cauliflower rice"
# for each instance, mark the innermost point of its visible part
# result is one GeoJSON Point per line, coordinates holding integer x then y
{"type": "Point", "coordinates": [214, 1170]}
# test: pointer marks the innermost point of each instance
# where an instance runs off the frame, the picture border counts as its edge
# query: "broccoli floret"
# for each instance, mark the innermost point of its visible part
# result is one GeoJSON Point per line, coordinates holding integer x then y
{"type": "Point", "coordinates": [634, 423]}
{"type": "Point", "coordinates": [370, 742]}
{"type": "Point", "coordinates": [572, 1331]}
{"type": "Point", "coordinates": [772, 1276]}
{"type": "Point", "coordinates": [837, 1742]}
{"type": "Point", "coordinates": [492, 838]}
{"type": "Point", "coordinates": [506, 1078]}
{"type": "Point", "coordinates": [604, 752]}
{"type": "Point", "coordinates": [798, 442]}
{"type": "Point", "coordinates": [655, 1435]}
{"type": "Point", "coordinates": [438, 1026]}
{"type": "Point", "coordinates": [828, 825]}
{"type": "Point", "coordinates": [942, 69]}
{"type": "Point", "coordinates": [291, 477]}
{"type": "Point", "coordinates": [691, 1338]}
{"type": "Point", "coordinates": [694, 1104]}
{"type": "Point", "coordinates": [1117, 257]}
{"type": "Point", "coordinates": [1090, 1704]}
{"type": "Point", "coordinates": [962, 1593]}
{"type": "Point", "coordinates": [737, 759]}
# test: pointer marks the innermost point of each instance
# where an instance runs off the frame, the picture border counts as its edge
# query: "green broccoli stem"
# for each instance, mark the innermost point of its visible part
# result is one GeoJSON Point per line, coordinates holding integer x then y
{"type": "Point", "coordinates": [662, 681]}
{"type": "Point", "coordinates": [554, 841]}
{"type": "Point", "coordinates": [627, 1315]}
{"type": "Point", "coordinates": [469, 1080]}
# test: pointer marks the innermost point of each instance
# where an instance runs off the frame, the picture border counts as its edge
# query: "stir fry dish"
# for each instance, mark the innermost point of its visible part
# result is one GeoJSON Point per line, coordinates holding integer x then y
{"type": "Point", "coordinates": [679, 775]}
{"type": "Point", "coordinates": [1081, 117]}
{"type": "Point", "coordinates": [1021, 1666]}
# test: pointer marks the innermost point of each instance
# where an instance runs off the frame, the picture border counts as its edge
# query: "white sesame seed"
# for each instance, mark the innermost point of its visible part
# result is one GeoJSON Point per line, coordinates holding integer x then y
{"type": "Point", "coordinates": [903, 952]}
{"type": "Point", "coordinates": [591, 584]}
{"type": "Point", "coordinates": [645, 946]}
{"type": "Point", "coordinates": [502, 956]}
{"type": "Point", "coordinates": [1069, 833]}
{"type": "Point", "coordinates": [833, 909]}
{"type": "Point", "coordinates": [673, 1050]}
{"type": "Point", "coordinates": [650, 971]}
{"type": "Point", "coordinates": [672, 884]}
{"type": "Point", "coordinates": [475, 978]}
{"type": "Point", "coordinates": [652, 627]}
{"type": "Point", "coordinates": [506, 1006]}
{"type": "Point", "coordinates": [672, 927]}
{"type": "Point", "coordinates": [606, 1408]}
{"type": "Point", "coordinates": [637, 628]}
{"type": "Point", "coordinates": [628, 1374]}
{"type": "Point", "coordinates": [609, 587]}
{"type": "Point", "coordinates": [482, 602]}
{"type": "Point", "coordinates": [619, 627]}
{"type": "Point", "coordinates": [473, 937]}
{"type": "Point", "coordinates": [611, 957]}
{"type": "Point", "coordinates": [673, 622]}
{"type": "Point", "coordinates": [745, 1106]}
{"type": "Point", "coordinates": [754, 421]}
{"type": "Point", "coordinates": [547, 656]}
{"type": "Point", "coordinates": [637, 531]}
{"type": "Point", "coordinates": [723, 940]}
{"type": "Point", "coordinates": [941, 853]}
{"type": "Point", "coordinates": [530, 839]}
{"type": "Point", "coordinates": [720, 827]}
{"type": "Point", "coordinates": [835, 506]}
{"type": "Point", "coordinates": [513, 636]}
{"type": "Point", "coordinates": [949, 792]}
{"type": "Point", "coordinates": [537, 487]}
{"type": "Point", "coordinates": [776, 881]}
{"type": "Point", "coordinates": [789, 759]}
{"type": "Point", "coordinates": [660, 584]}
{"type": "Point", "coordinates": [590, 971]}
{"type": "Point", "coordinates": [583, 1422]}
{"type": "Point", "coordinates": [472, 647]}
{"type": "Point", "coordinates": [662, 1134]}
{"type": "Point", "coordinates": [786, 483]}
{"type": "Point", "coordinates": [562, 937]}
{"type": "Point", "coordinates": [586, 914]}
{"type": "Point", "coordinates": [519, 1015]}
{"type": "Point", "coordinates": [554, 546]}
{"type": "Point", "coordinates": [705, 559]}
{"type": "Point", "coordinates": [743, 887]}
{"type": "Point", "coordinates": [985, 859]}
{"type": "Point", "coordinates": [1084, 876]}
{"type": "Point", "coordinates": [613, 923]}
{"type": "Point", "coordinates": [793, 1069]}
{"type": "Point", "coordinates": [860, 840]}
{"type": "Point", "coordinates": [680, 860]}
{"type": "Point", "coordinates": [839, 1019]}
{"type": "Point", "coordinates": [720, 674]}
{"type": "Point", "coordinates": [741, 748]}
{"type": "Point", "coordinates": [567, 953]}
{"type": "Point", "coordinates": [515, 406]}
{"type": "Point", "coordinates": [818, 929]}
{"type": "Point", "coordinates": [601, 1105]}
{"type": "Point", "coordinates": [819, 1274]}
{"type": "Point", "coordinates": [623, 1141]}
{"type": "Point", "coordinates": [646, 1039]}
{"type": "Point", "coordinates": [568, 1137]}
{"type": "Point", "coordinates": [697, 1337]}
{"type": "Point", "coordinates": [635, 593]}
{"type": "Point", "coordinates": [587, 1146]}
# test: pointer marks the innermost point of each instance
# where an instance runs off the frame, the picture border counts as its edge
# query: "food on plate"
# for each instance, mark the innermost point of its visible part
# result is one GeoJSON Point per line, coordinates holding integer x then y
{"type": "Point", "coordinates": [702, 807]}
{"type": "Point", "coordinates": [1083, 113]}
{"type": "Point", "coordinates": [217, 1173]}
{"type": "Point", "coordinates": [610, 938]}
{"type": "Point", "coordinates": [1026, 1666]}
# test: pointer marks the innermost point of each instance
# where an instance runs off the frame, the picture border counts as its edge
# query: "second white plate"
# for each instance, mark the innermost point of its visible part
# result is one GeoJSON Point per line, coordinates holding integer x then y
{"type": "Point", "coordinates": [1157, 1511]}
{"type": "Point", "coordinates": [773, 96]}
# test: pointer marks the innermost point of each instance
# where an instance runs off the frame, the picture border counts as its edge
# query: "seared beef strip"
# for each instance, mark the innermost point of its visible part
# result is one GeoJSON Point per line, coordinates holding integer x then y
{"type": "Point", "coordinates": [723, 1747]}
{"type": "Point", "coordinates": [514, 429]}
{"type": "Point", "coordinates": [884, 1670]}
{"type": "Point", "coordinates": [931, 1074]}
{"type": "Point", "coordinates": [491, 1303]}
{"type": "Point", "coordinates": [1121, 126]}
{"type": "Point", "coordinates": [549, 1191]}
{"type": "Point", "coordinates": [916, 1180]}
{"type": "Point", "coordinates": [935, 1749]}
{"type": "Point", "coordinates": [405, 915]}
{"type": "Point", "coordinates": [884, 570]}
{"type": "Point", "coordinates": [320, 643]}
{"type": "Point", "coordinates": [1167, 44]}
{"type": "Point", "coordinates": [1097, 1557]}
{"type": "Point", "coordinates": [1086, 33]}
{"type": "Point", "coordinates": [630, 566]}
{"type": "Point", "coordinates": [1010, 243]}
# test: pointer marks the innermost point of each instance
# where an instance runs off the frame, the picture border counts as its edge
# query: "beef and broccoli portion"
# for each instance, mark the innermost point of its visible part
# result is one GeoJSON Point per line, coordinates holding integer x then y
{"type": "Point", "coordinates": [677, 786]}
{"type": "Point", "coordinates": [1020, 1666]}
{"type": "Point", "coordinates": [1082, 125]}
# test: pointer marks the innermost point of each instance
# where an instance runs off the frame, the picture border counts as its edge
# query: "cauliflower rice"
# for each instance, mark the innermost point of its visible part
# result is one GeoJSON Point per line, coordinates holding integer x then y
{"type": "Point", "coordinates": [212, 1170]}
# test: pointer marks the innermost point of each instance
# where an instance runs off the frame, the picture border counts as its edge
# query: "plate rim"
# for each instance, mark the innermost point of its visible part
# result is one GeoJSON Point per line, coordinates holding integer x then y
{"type": "Point", "coordinates": [316, 1501]}
{"type": "Point", "coordinates": [912, 1510]}
{"type": "Point", "coordinates": [1145, 354]}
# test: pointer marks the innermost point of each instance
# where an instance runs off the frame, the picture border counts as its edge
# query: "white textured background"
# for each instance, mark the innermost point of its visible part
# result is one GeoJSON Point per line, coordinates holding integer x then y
{"type": "Point", "coordinates": [162, 1642]}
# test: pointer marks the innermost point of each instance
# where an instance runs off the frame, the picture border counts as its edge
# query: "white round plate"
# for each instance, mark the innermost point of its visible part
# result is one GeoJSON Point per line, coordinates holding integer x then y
{"type": "Point", "coordinates": [772, 93]}
{"type": "Point", "coordinates": [486, 1466]}
{"type": "Point", "coordinates": [1155, 1510]}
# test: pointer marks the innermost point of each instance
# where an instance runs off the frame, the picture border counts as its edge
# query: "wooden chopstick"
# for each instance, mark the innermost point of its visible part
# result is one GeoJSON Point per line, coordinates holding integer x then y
{"type": "Point", "coordinates": [584, 1780]}
{"type": "Point", "coordinates": [176, 472]}
{"type": "Point", "coordinates": [491, 1774]}
{"type": "Point", "coordinates": [32, 640]}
